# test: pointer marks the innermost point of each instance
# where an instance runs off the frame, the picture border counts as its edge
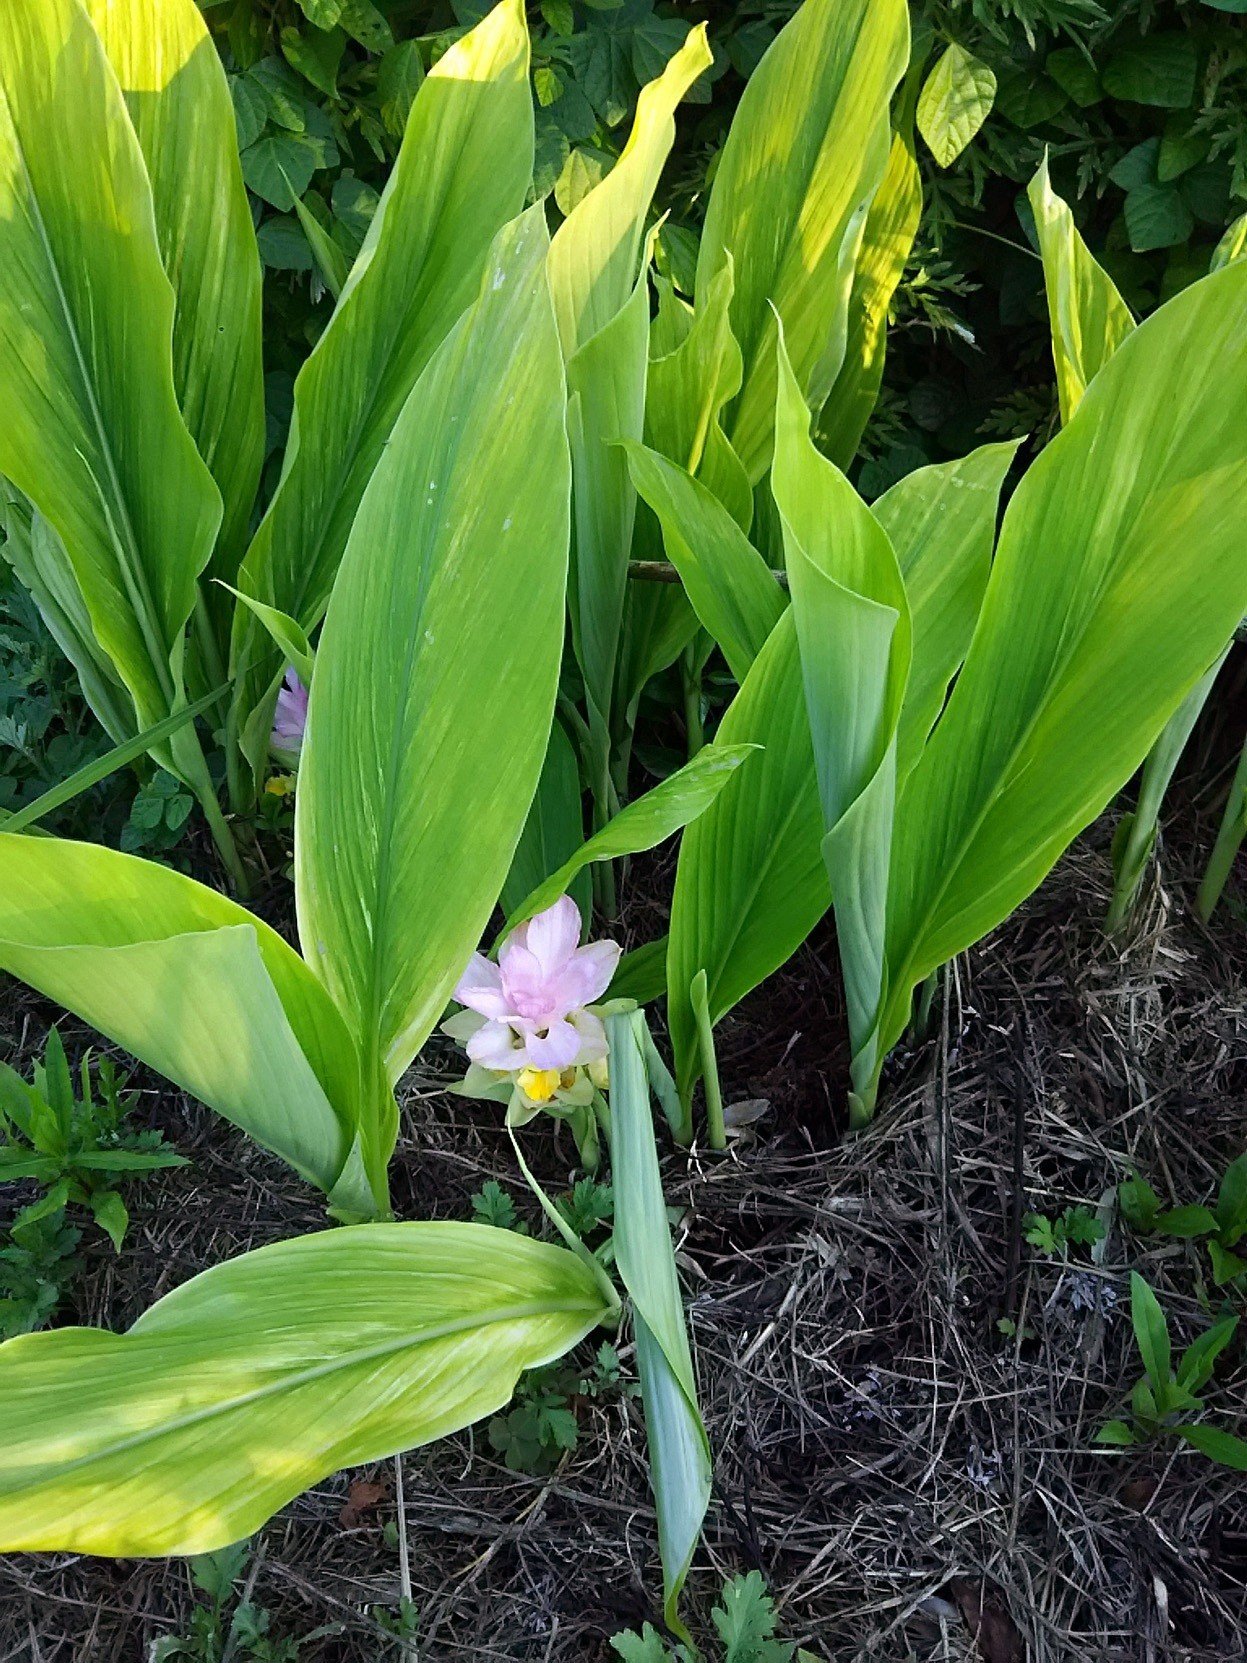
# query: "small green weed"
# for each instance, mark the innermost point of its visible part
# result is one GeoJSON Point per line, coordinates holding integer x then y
{"type": "Point", "coordinates": [744, 1621]}
{"type": "Point", "coordinates": [1222, 1228]}
{"type": "Point", "coordinates": [73, 1144]}
{"type": "Point", "coordinates": [1165, 1396]}
{"type": "Point", "coordinates": [1074, 1227]}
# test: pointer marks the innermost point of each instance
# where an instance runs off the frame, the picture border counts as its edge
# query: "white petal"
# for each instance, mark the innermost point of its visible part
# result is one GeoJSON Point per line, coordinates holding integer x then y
{"type": "Point", "coordinates": [557, 1048]}
{"type": "Point", "coordinates": [592, 1036]}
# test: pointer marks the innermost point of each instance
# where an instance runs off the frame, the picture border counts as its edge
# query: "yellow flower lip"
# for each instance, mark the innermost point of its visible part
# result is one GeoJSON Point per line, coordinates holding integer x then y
{"type": "Point", "coordinates": [539, 1084]}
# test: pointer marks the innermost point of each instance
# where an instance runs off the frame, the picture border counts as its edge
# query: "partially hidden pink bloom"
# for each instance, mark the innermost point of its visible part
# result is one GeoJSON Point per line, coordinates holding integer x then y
{"type": "Point", "coordinates": [291, 715]}
{"type": "Point", "coordinates": [534, 999]}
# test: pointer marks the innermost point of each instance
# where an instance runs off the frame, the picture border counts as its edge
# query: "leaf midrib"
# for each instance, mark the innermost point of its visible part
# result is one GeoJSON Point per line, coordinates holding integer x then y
{"type": "Point", "coordinates": [304, 1377]}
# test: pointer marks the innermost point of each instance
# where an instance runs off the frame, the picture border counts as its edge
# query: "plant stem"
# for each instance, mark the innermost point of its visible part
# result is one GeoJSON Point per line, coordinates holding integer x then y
{"type": "Point", "coordinates": [1229, 840]}
{"type": "Point", "coordinates": [690, 676]}
{"type": "Point", "coordinates": [715, 1125]}
{"type": "Point", "coordinates": [404, 1555]}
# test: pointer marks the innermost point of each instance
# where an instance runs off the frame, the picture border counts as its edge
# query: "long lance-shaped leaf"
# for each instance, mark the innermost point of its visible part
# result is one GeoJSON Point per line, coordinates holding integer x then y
{"type": "Point", "coordinates": [679, 1450]}
{"type": "Point", "coordinates": [854, 634]}
{"type": "Point", "coordinates": [1135, 838]}
{"type": "Point", "coordinates": [264, 1375]}
{"type": "Point", "coordinates": [436, 672]}
{"type": "Point", "coordinates": [92, 434]}
{"type": "Point", "coordinates": [462, 172]}
{"type": "Point", "coordinates": [179, 102]}
{"type": "Point", "coordinates": [646, 822]}
{"type": "Point", "coordinates": [1088, 317]}
{"type": "Point", "coordinates": [732, 589]}
{"type": "Point", "coordinates": [941, 521]}
{"type": "Point", "coordinates": [891, 226]}
{"type": "Point", "coordinates": [1118, 580]}
{"type": "Point", "coordinates": [596, 251]}
{"type": "Point", "coordinates": [804, 158]}
{"type": "Point", "coordinates": [601, 300]}
{"type": "Point", "coordinates": [191, 984]}
{"type": "Point", "coordinates": [739, 910]}
{"type": "Point", "coordinates": [694, 370]}
{"type": "Point", "coordinates": [750, 882]}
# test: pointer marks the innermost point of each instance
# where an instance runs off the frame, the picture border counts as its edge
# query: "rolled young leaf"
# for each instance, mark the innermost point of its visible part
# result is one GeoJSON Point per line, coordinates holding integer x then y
{"type": "Point", "coordinates": [179, 102]}
{"type": "Point", "coordinates": [679, 1450]}
{"type": "Point", "coordinates": [805, 155]}
{"type": "Point", "coordinates": [436, 672]}
{"type": "Point", "coordinates": [262, 1376]}
{"type": "Point", "coordinates": [1118, 579]}
{"type": "Point", "coordinates": [92, 433]}
{"type": "Point", "coordinates": [855, 639]}
{"type": "Point", "coordinates": [462, 172]}
{"type": "Point", "coordinates": [191, 984]}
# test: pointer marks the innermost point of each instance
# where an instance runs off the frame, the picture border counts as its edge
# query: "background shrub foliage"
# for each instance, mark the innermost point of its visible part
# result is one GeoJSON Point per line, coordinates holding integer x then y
{"type": "Point", "coordinates": [1141, 106]}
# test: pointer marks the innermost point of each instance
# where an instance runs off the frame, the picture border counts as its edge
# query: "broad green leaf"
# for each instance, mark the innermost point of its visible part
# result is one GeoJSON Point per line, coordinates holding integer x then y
{"type": "Point", "coordinates": [92, 434]}
{"type": "Point", "coordinates": [553, 831]}
{"type": "Point", "coordinates": [286, 633]}
{"type": "Point", "coordinates": [264, 1375]}
{"type": "Point", "coordinates": [463, 170]}
{"type": "Point", "coordinates": [178, 98]}
{"type": "Point", "coordinates": [1198, 1360]}
{"type": "Point", "coordinates": [806, 153]}
{"type": "Point", "coordinates": [606, 403]}
{"type": "Point", "coordinates": [645, 822]}
{"type": "Point", "coordinates": [855, 639]}
{"type": "Point", "coordinates": [733, 591]}
{"type": "Point", "coordinates": [941, 520]}
{"type": "Point", "coordinates": [750, 883]}
{"type": "Point", "coordinates": [642, 973]}
{"type": "Point", "coordinates": [436, 671]}
{"type": "Point", "coordinates": [601, 300]}
{"type": "Point", "coordinates": [1223, 1447]}
{"type": "Point", "coordinates": [891, 226]}
{"type": "Point", "coordinates": [1157, 69]}
{"type": "Point", "coordinates": [955, 102]}
{"type": "Point", "coordinates": [1088, 318]}
{"type": "Point", "coordinates": [1118, 580]}
{"type": "Point", "coordinates": [679, 1450]}
{"type": "Point", "coordinates": [191, 984]}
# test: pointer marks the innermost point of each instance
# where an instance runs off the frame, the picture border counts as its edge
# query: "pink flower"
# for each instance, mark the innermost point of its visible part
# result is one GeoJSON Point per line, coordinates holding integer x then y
{"type": "Point", "coordinates": [291, 715]}
{"type": "Point", "coordinates": [533, 1000]}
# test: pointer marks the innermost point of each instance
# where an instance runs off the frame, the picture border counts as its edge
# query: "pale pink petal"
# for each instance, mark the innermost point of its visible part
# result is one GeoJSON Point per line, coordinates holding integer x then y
{"type": "Point", "coordinates": [558, 1047]}
{"type": "Point", "coordinates": [497, 1045]}
{"type": "Point", "coordinates": [290, 716]}
{"type": "Point", "coordinates": [480, 989]}
{"type": "Point", "coordinates": [586, 976]}
{"type": "Point", "coordinates": [552, 936]}
{"type": "Point", "coordinates": [592, 1036]}
{"type": "Point", "coordinates": [525, 984]}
